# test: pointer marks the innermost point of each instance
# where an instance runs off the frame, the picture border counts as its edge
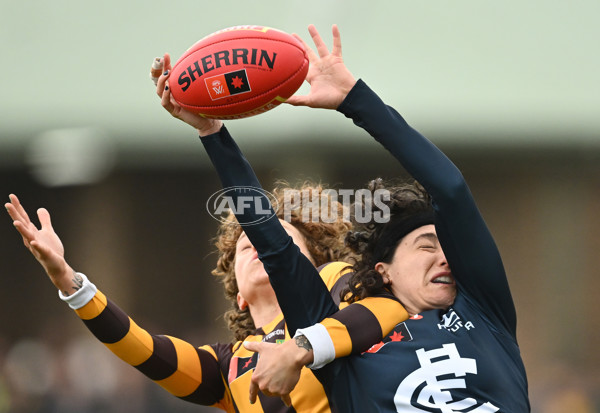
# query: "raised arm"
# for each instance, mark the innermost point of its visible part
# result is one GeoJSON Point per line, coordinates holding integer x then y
{"type": "Point", "coordinates": [290, 272]}
{"type": "Point", "coordinates": [470, 249]}
{"type": "Point", "coordinates": [185, 371]}
{"type": "Point", "coordinates": [464, 236]}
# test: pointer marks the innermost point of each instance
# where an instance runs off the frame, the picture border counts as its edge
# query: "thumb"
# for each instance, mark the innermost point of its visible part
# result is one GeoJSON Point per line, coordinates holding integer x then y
{"type": "Point", "coordinates": [297, 101]}
{"type": "Point", "coordinates": [44, 217]}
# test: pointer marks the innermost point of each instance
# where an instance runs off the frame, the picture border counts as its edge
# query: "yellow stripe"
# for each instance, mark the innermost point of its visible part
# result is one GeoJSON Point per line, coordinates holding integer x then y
{"type": "Point", "coordinates": [210, 350]}
{"type": "Point", "coordinates": [239, 389]}
{"type": "Point", "coordinates": [333, 271]}
{"type": "Point", "coordinates": [135, 348]}
{"type": "Point", "coordinates": [188, 376]}
{"type": "Point", "coordinates": [339, 335]}
{"type": "Point", "coordinates": [387, 311]}
{"type": "Point", "coordinates": [93, 308]}
{"type": "Point", "coordinates": [309, 395]}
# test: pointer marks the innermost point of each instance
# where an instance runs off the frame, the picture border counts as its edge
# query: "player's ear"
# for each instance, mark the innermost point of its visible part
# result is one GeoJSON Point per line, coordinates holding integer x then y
{"type": "Point", "coordinates": [381, 268]}
{"type": "Point", "coordinates": [241, 302]}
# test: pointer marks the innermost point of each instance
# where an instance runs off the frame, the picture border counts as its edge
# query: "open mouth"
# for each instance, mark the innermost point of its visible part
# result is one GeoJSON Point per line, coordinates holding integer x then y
{"type": "Point", "coordinates": [443, 279]}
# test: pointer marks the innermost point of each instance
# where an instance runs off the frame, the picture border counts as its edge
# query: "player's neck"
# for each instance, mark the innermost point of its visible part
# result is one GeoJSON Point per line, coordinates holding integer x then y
{"type": "Point", "coordinates": [264, 313]}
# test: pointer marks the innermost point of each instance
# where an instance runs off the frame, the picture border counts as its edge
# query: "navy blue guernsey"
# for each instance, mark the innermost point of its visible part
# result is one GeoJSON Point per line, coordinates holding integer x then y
{"type": "Point", "coordinates": [463, 359]}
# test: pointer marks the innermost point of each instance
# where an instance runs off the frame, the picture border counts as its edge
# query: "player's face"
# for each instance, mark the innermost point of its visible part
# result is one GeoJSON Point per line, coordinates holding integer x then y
{"type": "Point", "coordinates": [419, 272]}
{"type": "Point", "coordinates": [252, 279]}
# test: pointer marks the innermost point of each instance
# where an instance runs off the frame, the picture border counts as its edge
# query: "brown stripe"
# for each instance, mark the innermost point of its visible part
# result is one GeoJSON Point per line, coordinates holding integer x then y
{"type": "Point", "coordinates": [163, 361]}
{"type": "Point", "coordinates": [363, 327]}
{"type": "Point", "coordinates": [274, 404]}
{"type": "Point", "coordinates": [212, 388]}
{"type": "Point", "coordinates": [111, 325]}
{"type": "Point", "coordinates": [338, 287]}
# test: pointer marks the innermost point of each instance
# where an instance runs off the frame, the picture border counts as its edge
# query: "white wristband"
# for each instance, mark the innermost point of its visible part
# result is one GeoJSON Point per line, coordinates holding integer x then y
{"type": "Point", "coordinates": [82, 296]}
{"type": "Point", "coordinates": [322, 345]}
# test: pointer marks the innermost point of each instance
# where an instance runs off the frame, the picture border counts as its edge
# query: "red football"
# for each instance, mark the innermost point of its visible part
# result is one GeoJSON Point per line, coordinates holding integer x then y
{"type": "Point", "coordinates": [239, 72]}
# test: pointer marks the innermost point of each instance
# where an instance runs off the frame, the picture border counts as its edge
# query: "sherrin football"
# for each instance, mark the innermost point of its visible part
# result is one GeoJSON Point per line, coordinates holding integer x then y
{"type": "Point", "coordinates": [239, 72]}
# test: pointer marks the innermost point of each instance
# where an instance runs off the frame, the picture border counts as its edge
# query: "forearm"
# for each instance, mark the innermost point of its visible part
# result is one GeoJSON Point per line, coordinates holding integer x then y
{"type": "Point", "coordinates": [235, 173]}
{"type": "Point", "coordinates": [421, 158]}
{"type": "Point", "coordinates": [302, 295]}
{"type": "Point", "coordinates": [354, 329]}
{"type": "Point", "coordinates": [156, 356]}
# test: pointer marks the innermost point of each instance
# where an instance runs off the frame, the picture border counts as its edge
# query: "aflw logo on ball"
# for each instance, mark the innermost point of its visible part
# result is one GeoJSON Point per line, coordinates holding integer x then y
{"type": "Point", "coordinates": [240, 199]}
{"type": "Point", "coordinates": [224, 58]}
{"type": "Point", "coordinates": [232, 83]}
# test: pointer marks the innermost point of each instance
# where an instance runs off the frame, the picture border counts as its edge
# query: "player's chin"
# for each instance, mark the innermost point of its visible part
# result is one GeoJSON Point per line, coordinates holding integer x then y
{"type": "Point", "coordinates": [445, 295]}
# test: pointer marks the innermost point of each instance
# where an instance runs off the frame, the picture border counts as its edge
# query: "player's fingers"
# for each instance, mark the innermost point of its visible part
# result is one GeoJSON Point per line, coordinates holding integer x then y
{"type": "Point", "coordinates": [19, 211]}
{"type": "Point", "coordinates": [318, 41]}
{"type": "Point", "coordinates": [253, 392]}
{"type": "Point", "coordinates": [10, 208]}
{"type": "Point", "coordinates": [166, 99]}
{"type": "Point", "coordinates": [167, 62]}
{"type": "Point", "coordinates": [337, 41]}
{"type": "Point", "coordinates": [156, 69]}
{"type": "Point", "coordinates": [25, 232]}
{"type": "Point", "coordinates": [162, 81]}
{"type": "Point", "coordinates": [312, 56]}
{"type": "Point", "coordinates": [164, 77]}
{"type": "Point", "coordinates": [287, 400]}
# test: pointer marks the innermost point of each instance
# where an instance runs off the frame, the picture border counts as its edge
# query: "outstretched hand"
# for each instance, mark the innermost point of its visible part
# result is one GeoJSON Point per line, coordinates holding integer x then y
{"type": "Point", "coordinates": [329, 78]}
{"type": "Point", "coordinates": [205, 126]}
{"type": "Point", "coordinates": [44, 244]}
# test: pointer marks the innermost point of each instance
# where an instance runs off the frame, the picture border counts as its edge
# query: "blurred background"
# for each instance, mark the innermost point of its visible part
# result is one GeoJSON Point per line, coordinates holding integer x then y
{"type": "Point", "coordinates": [509, 90]}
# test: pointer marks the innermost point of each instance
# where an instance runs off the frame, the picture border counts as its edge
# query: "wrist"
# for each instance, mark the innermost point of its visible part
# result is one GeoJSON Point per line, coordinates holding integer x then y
{"type": "Point", "coordinates": [213, 127]}
{"type": "Point", "coordinates": [304, 352]}
{"type": "Point", "coordinates": [69, 282]}
{"type": "Point", "coordinates": [82, 296]}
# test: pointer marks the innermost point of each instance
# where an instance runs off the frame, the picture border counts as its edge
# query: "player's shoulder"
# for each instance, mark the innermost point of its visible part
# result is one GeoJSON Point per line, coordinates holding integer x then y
{"type": "Point", "coordinates": [331, 272]}
{"type": "Point", "coordinates": [335, 267]}
{"type": "Point", "coordinates": [336, 275]}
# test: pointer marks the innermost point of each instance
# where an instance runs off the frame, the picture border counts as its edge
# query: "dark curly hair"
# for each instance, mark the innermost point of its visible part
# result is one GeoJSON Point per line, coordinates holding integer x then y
{"type": "Point", "coordinates": [409, 206]}
{"type": "Point", "coordinates": [324, 240]}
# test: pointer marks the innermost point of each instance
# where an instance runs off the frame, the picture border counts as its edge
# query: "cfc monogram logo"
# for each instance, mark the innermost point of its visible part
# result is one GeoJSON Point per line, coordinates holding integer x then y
{"type": "Point", "coordinates": [430, 386]}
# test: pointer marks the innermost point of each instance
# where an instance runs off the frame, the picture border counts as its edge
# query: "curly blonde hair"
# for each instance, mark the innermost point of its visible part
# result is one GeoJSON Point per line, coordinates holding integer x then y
{"type": "Point", "coordinates": [324, 239]}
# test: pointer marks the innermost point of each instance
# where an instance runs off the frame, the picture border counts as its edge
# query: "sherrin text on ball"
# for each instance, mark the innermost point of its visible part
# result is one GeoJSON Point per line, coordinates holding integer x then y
{"type": "Point", "coordinates": [239, 72]}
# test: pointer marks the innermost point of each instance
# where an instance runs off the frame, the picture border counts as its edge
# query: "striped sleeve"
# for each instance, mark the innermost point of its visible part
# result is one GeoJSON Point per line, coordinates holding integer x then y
{"type": "Point", "coordinates": [187, 372]}
{"type": "Point", "coordinates": [355, 328]}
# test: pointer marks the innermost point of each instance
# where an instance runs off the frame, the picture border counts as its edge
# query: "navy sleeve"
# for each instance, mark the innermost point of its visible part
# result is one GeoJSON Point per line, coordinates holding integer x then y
{"type": "Point", "coordinates": [301, 293]}
{"type": "Point", "coordinates": [469, 247]}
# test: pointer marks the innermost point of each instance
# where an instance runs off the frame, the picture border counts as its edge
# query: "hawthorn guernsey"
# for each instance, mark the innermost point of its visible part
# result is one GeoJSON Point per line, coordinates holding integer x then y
{"type": "Point", "coordinates": [239, 72]}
